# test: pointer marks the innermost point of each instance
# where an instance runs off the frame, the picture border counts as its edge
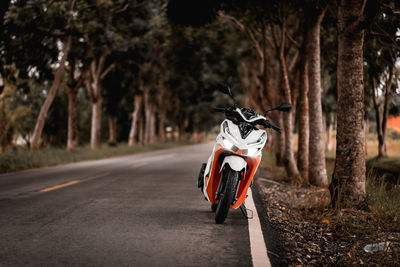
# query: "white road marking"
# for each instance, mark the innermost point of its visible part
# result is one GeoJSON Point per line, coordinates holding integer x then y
{"type": "Point", "coordinates": [257, 245]}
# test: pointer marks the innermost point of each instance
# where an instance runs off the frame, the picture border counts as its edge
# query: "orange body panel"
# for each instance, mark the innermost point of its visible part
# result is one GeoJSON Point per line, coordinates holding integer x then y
{"type": "Point", "coordinates": [215, 176]}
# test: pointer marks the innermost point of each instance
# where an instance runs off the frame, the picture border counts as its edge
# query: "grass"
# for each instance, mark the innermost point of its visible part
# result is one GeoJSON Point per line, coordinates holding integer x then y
{"type": "Point", "coordinates": [383, 196]}
{"type": "Point", "coordinates": [19, 158]}
{"type": "Point", "coordinates": [383, 175]}
{"type": "Point", "coordinates": [340, 233]}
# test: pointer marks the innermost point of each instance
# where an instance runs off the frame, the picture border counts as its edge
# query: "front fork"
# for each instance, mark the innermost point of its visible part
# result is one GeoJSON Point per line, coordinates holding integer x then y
{"type": "Point", "coordinates": [219, 194]}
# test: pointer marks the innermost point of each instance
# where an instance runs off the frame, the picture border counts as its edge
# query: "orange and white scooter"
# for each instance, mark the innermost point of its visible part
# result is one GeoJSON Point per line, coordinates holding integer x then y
{"type": "Point", "coordinates": [229, 171]}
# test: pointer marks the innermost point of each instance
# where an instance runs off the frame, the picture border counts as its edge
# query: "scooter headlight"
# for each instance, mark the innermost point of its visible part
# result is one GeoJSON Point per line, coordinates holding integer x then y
{"type": "Point", "coordinates": [260, 140]}
{"type": "Point", "coordinates": [252, 152]}
{"type": "Point", "coordinates": [227, 144]}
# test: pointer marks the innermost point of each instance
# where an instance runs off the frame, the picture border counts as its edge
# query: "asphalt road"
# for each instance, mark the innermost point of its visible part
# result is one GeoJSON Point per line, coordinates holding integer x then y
{"type": "Point", "coordinates": [139, 210]}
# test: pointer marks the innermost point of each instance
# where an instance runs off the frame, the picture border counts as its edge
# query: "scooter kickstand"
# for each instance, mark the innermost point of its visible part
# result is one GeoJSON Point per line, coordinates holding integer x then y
{"type": "Point", "coordinates": [248, 214]}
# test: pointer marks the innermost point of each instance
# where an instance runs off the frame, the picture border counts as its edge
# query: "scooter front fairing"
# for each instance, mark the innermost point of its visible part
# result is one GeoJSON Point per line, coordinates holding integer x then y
{"type": "Point", "coordinates": [213, 173]}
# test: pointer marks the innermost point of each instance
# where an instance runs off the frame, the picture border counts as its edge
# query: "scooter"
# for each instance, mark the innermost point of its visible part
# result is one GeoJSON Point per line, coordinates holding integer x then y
{"type": "Point", "coordinates": [228, 174]}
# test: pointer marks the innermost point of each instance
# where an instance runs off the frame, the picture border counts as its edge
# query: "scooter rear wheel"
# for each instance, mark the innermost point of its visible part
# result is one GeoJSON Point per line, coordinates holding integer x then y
{"type": "Point", "coordinates": [228, 193]}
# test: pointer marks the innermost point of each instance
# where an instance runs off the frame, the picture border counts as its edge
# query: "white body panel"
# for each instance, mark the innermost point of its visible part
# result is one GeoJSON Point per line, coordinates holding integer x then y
{"type": "Point", "coordinates": [230, 135]}
{"type": "Point", "coordinates": [235, 162]}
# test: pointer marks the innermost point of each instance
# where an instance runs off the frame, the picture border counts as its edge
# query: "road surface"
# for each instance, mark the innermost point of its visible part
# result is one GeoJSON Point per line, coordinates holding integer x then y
{"type": "Point", "coordinates": [138, 210]}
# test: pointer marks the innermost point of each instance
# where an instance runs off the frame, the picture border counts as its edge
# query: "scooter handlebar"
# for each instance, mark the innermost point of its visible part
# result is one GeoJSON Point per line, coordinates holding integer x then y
{"type": "Point", "coordinates": [219, 109]}
{"type": "Point", "coordinates": [268, 124]}
{"type": "Point", "coordinates": [276, 128]}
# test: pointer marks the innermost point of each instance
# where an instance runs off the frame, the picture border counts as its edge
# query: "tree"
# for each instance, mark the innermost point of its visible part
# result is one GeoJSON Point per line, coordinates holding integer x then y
{"type": "Point", "coordinates": [382, 51]}
{"type": "Point", "coordinates": [44, 43]}
{"type": "Point", "coordinates": [133, 133]}
{"type": "Point", "coordinates": [382, 115]}
{"type": "Point", "coordinates": [280, 46]}
{"type": "Point", "coordinates": [93, 83]}
{"type": "Point", "coordinates": [317, 169]}
{"type": "Point", "coordinates": [37, 132]}
{"type": "Point", "coordinates": [348, 180]}
{"type": "Point", "coordinates": [110, 29]}
{"type": "Point", "coordinates": [72, 86]}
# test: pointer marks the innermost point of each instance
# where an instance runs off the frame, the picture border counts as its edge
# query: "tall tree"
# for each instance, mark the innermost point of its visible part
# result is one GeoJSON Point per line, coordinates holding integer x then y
{"type": "Point", "coordinates": [38, 62]}
{"type": "Point", "coordinates": [109, 28]}
{"type": "Point", "coordinates": [348, 180]}
{"type": "Point", "coordinates": [280, 45]}
{"type": "Point", "coordinates": [303, 110]}
{"type": "Point", "coordinates": [37, 132]}
{"type": "Point", "coordinates": [135, 126]}
{"type": "Point", "coordinates": [382, 51]}
{"type": "Point", "coordinates": [72, 84]}
{"type": "Point", "coordinates": [317, 169]}
{"type": "Point", "coordinates": [94, 86]}
{"type": "Point", "coordinates": [382, 113]}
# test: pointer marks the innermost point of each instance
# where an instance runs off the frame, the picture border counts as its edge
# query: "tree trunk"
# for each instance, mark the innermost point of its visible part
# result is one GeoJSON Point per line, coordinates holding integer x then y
{"type": "Point", "coordinates": [73, 138]}
{"type": "Point", "coordinates": [378, 116]}
{"type": "Point", "coordinates": [288, 157]}
{"type": "Point", "coordinates": [348, 180]}
{"type": "Point", "coordinates": [295, 97]}
{"type": "Point", "coordinates": [112, 130]}
{"type": "Point", "coordinates": [280, 151]}
{"type": "Point", "coordinates": [3, 125]}
{"type": "Point", "coordinates": [302, 153]}
{"type": "Point", "coordinates": [329, 144]}
{"type": "Point", "coordinates": [366, 128]}
{"type": "Point", "coordinates": [37, 132]}
{"type": "Point", "coordinates": [381, 117]}
{"type": "Point", "coordinates": [95, 131]}
{"type": "Point", "coordinates": [317, 168]}
{"type": "Point", "coordinates": [152, 125]}
{"type": "Point", "coordinates": [93, 84]}
{"type": "Point", "coordinates": [72, 87]}
{"type": "Point", "coordinates": [141, 130]}
{"type": "Point", "coordinates": [135, 118]}
{"type": "Point", "coordinates": [162, 106]}
{"type": "Point", "coordinates": [161, 125]}
{"type": "Point", "coordinates": [147, 118]}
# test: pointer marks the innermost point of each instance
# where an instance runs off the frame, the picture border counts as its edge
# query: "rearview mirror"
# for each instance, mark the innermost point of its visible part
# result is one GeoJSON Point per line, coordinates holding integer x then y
{"type": "Point", "coordinates": [223, 88]}
{"type": "Point", "coordinates": [280, 107]}
{"type": "Point", "coordinates": [284, 107]}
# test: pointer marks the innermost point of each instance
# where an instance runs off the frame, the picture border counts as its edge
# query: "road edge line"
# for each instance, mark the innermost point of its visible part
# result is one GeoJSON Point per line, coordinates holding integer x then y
{"type": "Point", "coordinates": [258, 249]}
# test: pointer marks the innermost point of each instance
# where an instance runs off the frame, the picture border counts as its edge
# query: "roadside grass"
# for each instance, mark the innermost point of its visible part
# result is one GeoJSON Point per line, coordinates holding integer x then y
{"type": "Point", "coordinates": [383, 176]}
{"type": "Point", "coordinates": [19, 158]}
{"type": "Point", "coordinates": [383, 196]}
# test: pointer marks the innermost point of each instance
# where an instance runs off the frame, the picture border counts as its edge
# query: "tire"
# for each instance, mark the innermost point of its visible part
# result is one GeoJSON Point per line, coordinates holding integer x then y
{"type": "Point", "coordinates": [228, 193]}
{"type": "Point", "coordinates": [214, 207]}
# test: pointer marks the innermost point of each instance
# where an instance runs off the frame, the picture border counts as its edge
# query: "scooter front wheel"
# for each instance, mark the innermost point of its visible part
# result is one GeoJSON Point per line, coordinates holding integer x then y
{"type": "Point", "coordinates": [214, 207]}
{"type": "Point", "coordinates": [228, 193]}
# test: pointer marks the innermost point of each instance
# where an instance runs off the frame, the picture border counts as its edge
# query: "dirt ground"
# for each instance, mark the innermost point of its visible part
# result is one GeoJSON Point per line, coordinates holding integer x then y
{"type": "Point", "coordinates": [310, 233]}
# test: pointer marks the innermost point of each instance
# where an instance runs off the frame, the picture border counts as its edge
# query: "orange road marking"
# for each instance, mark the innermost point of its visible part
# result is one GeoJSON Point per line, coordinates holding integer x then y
{"type": "Point", "coordinates": [59, 186]}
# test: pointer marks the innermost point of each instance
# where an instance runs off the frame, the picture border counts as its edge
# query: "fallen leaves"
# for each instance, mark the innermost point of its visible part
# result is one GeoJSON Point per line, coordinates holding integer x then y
{"type": "Point", "coordinates": [311, 235]}
{"type": "Point", "coordinates": [325, 221]}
